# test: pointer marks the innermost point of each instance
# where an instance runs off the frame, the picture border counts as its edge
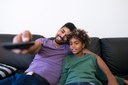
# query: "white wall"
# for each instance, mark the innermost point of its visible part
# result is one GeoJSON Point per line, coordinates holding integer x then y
{"type": "Point", "coordinates": [101, 18]}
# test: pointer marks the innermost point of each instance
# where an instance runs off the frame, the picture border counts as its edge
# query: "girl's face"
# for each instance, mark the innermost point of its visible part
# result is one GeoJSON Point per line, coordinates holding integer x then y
{"type": "Point", "coordinates": [76, 46]}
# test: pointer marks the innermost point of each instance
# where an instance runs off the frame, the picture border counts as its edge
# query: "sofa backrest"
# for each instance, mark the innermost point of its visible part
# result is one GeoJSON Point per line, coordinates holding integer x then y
{"type": "Point", "coordinates": [115, 54]}
{"type": "Point", "coordinates": [10, 58]}
{"type": "Point", "coordinates": [94, 45]}
{"type": "Point", "coordinates": [114, 51]}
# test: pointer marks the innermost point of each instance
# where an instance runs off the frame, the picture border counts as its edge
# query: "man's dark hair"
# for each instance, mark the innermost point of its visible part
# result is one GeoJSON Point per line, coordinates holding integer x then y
{"type": "Point", "coordinates": [70, 26]}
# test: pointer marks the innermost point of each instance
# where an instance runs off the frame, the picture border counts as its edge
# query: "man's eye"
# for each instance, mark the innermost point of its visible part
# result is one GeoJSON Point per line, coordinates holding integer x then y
{"type": "Point", "coordinates": [62, 30]}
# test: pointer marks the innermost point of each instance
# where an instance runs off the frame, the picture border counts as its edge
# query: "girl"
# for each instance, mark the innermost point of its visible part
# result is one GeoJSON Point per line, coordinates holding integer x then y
{"type": "Point", "coordinates": [80, 68]}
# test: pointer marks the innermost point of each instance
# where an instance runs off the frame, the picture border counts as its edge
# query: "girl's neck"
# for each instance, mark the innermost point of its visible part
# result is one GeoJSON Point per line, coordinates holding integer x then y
{"type": "Point", "coordinates": [80, 54]}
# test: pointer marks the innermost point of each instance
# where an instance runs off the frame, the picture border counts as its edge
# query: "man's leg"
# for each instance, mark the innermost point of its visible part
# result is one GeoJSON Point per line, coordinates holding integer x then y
{"type": "Point", "coordinates": [12, 80]}
{"type": "Point", "coordinates": [23, 79]}
{"type": "Point", "coordinates": [7, 81]}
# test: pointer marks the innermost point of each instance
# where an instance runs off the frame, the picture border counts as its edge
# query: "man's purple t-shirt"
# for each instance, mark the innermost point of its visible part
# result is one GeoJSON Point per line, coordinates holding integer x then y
{"type": "Point", "coordinates": [48, 61]}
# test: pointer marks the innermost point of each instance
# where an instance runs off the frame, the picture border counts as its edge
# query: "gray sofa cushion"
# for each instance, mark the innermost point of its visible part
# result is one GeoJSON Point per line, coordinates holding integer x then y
{"type": "Point", "coordinates": [115, 54]}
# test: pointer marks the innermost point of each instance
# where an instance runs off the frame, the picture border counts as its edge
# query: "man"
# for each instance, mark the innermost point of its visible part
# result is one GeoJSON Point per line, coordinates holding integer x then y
{"type": "Point", "coordinates": [48, 59]}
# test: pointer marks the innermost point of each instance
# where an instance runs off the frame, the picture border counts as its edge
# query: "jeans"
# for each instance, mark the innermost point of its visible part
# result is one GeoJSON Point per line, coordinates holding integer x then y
{"type": "Point", "coordinates": [23, 79]}
{"type": "Point", "coordinates": [81, 83]}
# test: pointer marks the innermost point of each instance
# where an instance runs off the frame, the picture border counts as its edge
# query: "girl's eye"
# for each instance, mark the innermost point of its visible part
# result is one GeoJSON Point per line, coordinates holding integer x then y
{"type": "Point", "coordinates": [76, 43]}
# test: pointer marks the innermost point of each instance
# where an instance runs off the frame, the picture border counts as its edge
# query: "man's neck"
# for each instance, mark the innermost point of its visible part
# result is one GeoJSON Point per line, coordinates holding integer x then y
{"type": "Point", "coordinates": [55, 44]}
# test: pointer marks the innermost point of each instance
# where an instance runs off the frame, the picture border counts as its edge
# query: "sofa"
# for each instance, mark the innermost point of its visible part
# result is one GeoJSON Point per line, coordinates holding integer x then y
{"type": "Point", "coordinates": [114, 51]}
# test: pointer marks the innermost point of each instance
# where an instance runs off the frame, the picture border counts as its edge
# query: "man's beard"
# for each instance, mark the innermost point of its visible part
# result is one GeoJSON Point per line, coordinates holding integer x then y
{"type": "Point", "coordinates": [59, 41]}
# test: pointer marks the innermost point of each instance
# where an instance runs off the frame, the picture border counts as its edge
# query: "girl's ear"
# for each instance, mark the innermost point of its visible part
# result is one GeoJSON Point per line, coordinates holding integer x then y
{"type": "Point", "coordinates": [83, 45]}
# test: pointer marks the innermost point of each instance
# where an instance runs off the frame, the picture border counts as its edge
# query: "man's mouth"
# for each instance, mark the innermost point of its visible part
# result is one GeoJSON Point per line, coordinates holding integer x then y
{"type": "Point", "coordinates": [59, 38]}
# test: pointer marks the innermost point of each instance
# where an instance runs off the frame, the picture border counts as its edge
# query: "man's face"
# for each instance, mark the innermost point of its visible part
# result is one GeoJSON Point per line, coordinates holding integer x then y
{"type": "Point", "coordinates": [61, 36]}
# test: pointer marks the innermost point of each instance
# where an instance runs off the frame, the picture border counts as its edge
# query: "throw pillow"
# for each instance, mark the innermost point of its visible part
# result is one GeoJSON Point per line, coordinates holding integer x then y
{"type": "Point", "coordinates": [6, 70]}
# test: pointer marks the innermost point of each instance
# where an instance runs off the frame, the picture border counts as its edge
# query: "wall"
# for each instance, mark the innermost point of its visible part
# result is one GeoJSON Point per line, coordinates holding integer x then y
{"type": "Point", "coordinates": [101, 18]}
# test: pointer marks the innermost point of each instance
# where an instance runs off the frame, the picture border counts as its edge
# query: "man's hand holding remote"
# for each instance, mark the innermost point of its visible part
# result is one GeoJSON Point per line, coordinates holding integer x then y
{"type": "Point", "coordinates": [22, 37]}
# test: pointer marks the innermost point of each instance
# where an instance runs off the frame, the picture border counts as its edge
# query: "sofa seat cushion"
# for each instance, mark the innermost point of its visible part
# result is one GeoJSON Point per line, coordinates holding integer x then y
{"type": "Point", "coordinates": [115, 54]}
{"type": "Point", "coordinates": [6, 70]}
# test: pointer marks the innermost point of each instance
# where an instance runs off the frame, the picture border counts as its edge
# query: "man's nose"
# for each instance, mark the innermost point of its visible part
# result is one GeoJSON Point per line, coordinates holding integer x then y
{"type": "Point", "coordinates": [62, 35]}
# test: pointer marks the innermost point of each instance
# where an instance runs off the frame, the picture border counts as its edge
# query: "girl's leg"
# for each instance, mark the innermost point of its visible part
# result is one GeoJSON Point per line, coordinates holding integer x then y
{"type": "Point", "coordinates": [81, 83]}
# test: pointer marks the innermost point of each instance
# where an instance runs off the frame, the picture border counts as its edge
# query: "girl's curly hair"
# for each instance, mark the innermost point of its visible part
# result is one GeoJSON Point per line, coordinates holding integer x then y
{"type": "Point", "coordinates": [80, 35]}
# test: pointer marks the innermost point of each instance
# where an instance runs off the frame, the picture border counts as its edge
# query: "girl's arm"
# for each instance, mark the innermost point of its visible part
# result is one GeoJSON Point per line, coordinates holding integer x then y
{"type": "Point", "coordinates": [111, 78]}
